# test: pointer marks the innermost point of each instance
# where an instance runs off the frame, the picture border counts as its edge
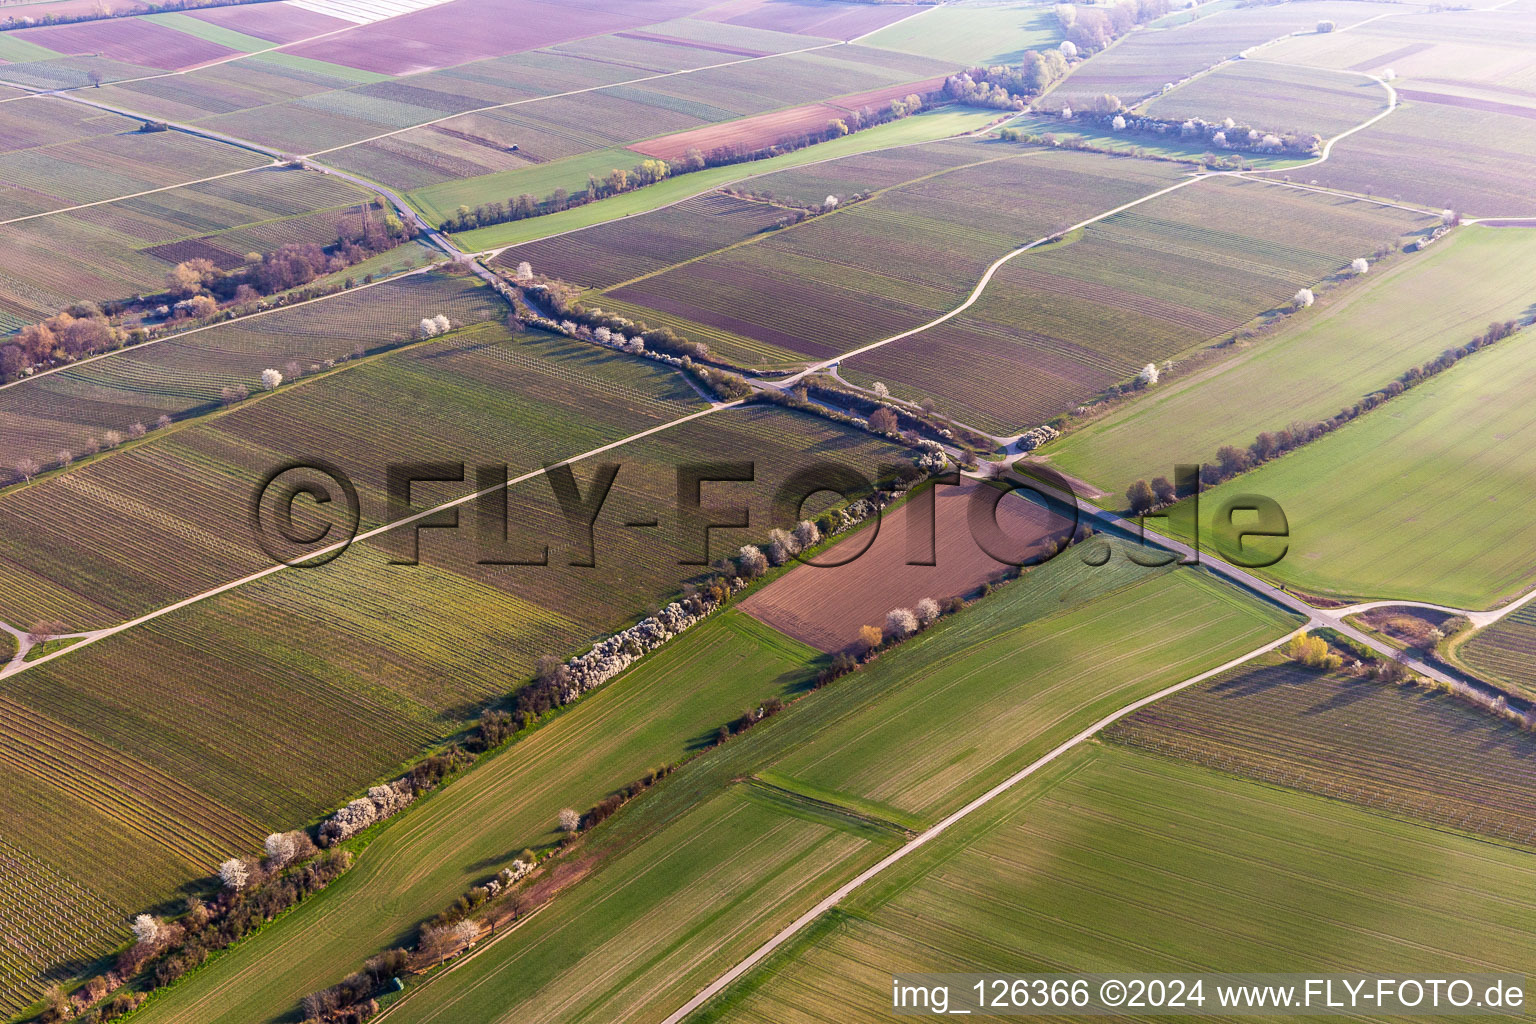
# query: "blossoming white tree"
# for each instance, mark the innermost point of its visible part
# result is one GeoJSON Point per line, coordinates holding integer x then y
{"type": "Point", "coordinates": [234, 874]}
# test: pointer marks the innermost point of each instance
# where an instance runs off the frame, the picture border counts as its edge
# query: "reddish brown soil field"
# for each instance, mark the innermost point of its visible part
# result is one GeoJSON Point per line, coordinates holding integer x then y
{"type": "Point", "coordinates": [776, 126]}
{"type": "Point", "coordinates": [824, 607]}
{"type": "Point", "coordinates": [811, 17]}
{"type": "Point", "coordinates": [276, 22]}
{"type": "Point", "coordinates": [131, 40]}
{"type": "Point", "coordinates": [467, 30]}
{"type": "Point", "coordinates": [749, 132]}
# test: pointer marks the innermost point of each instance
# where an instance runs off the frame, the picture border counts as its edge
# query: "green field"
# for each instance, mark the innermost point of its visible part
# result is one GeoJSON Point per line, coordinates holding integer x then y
{"type": "Point", "coordinates": [1112, 860]}
{"type": "Point", "coordinates": [1407, 750]}
{"type": "Point", "coordinates": [966, 721]}
{"type": "Point", "coordinates": [976, 34]}
{"type": "Point", "coordinates": [1365, 334]}
{"type": "Point", "coordinates": [821, 754]}
{"type": "Point", "coordinates": [927, 127]}
{"type": "Point", "coordinates": [660, 922]}
{"type": "Point", "coordinates": [1422, 498]}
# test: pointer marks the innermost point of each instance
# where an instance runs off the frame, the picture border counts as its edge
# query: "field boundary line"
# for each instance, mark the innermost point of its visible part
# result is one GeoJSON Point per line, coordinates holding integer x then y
{"type": "Point", "coordinates": [938, 829]}
{"type": "Point", "coordinates": [495, 251]}
{"type": "Point", "coordinates": [986, 279]}
{"type": "Point", "coordinates": [89, 637]}
{"type": "Point", "coordinates": [135, 195]}
{"type": "Point", "coordinates": [763, 236]}
{"type": "Point", "coordinates": [579, 92]}
{"type": "Point", "coordinates": [124, 349]}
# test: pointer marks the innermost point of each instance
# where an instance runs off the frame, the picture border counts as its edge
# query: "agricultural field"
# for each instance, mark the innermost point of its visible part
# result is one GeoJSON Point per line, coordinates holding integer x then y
{"type": "Point", "coordinates": [302, 658]}
{"type": "Point", "coordinates": [781, 762]}
{"type": "Point", "coordinates": [775, 858]}
{"type": "Point", "coordinates": [611, 254]}
{"type": "Point", "coordinates": [1143, 63]}
{"type": "Point", "coordinates": [1277, 98]}
{"type": "Point", "coordinates": [470, 30]}
{"type": "Point", "coordinates": [1367, 332]}
{"type": "Point", "coordinates": [650, 716]}
{"type": "Point", "coordinates": [279, 23]}
{"type": "Point", "coordinates": [1476, 52]}
{"type": "Point", "coordinates": [886, 264]}
{"type": "Point", "coordinates": [990, 695]}
{"type": "Point", "coordinates": [185, 374]}
{"type": "Point", "coordinates": [1066, 320]}
{"type": "Point", "coordinates": [1438, 151]}
{"type": "Point", "coordinates": [568, 137]}
{"type": "Point", "coordinates": [137, 41]}
{"type": "Point", "coordinates": [191, 690]}
{"type": "Point", "coordinates": [1422, 499]}
{"type": "Point", "coordinates": [856, 581]}
{"type": "Point", "coordinates": [644, 719]}
{"type": "Point", "coordinates": [844, 21]}
{"type": "Point", "coordinates": [929, 126]}
{"type": "Point", "coordinates": [1075, 869]}
{"type": "Point", "coordinates": [764, 130]}
{"type": "Point", "coordinates": [479, 395]}
{"type": "Point", "coordinates": [117, 162]}
{"type": "Point", "coordinates": [1407, 750]}
{"type": "Point", "coordinates": [1502, 651]}
{"type": "Point", "coordinates": [115, 249]}
{"type": "Point", "coordinates": [974, 34]}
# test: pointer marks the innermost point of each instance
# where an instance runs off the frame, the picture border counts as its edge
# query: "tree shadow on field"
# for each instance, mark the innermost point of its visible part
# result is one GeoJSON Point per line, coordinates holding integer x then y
{"type": "Point", "coordinates": [1346, 692]}
{"type": "Point", "coordinates": [1259, 680]}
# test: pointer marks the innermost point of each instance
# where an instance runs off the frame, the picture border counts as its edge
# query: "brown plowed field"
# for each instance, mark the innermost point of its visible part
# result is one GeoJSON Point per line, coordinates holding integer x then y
{"type": "Point", "coordinates": [825, 607]}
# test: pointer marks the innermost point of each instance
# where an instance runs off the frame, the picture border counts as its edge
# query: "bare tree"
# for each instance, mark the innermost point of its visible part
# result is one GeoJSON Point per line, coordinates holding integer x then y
{"type": "Point", "coordinates": [884, 421]}
{"type": "Point", "coordinates": [47, 629]}
{"type": "Point", "coordinates": [27, 469]}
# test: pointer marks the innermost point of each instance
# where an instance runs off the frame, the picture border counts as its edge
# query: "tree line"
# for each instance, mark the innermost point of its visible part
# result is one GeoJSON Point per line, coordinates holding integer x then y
{"type": "Point", "coordinates": [196, 289]}
{"type": "Point", "coordinates": [651, 171]}
{"type": "Point", "coordinates": [1143, 497]}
